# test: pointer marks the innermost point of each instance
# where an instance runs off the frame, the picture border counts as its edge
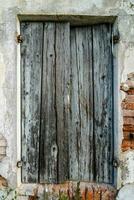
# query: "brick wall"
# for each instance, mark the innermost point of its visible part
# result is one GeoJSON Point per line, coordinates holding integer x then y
{"type": "Point", "coordinates": [85, 191]}
{"type": "Point", "coordinates": [98, 193]}
{"type": "Point", "coordinates": [128, 114]}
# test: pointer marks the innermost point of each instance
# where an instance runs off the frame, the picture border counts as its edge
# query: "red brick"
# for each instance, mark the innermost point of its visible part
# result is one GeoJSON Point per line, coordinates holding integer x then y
{"type": "Point", "coordinates": [87, 195]}
{"type": "Point", "coordinates": [127, 105]}
{"type": "Point", "coordinates": [128, 120]}
{"type": "Point", "coordinates": [90, 195]}
{"type": "Point", "coordinates": [128, 113]}
{"type": "Point", "coordinates": [129, 128]}
{"type": "Point", "coordinates": [83, 196]}
{"type": "Point", "coordinates": [130, 92]}
{"type": "Point", "coordinates": [129, 98]}
{"type": "Point", "coordinates": [127, 144]}
{"type": "Point", "coordinates": [97, 195]}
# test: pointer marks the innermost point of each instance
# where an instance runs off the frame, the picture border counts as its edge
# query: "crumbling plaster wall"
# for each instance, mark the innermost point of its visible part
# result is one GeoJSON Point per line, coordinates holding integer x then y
{"type": "Point", "coordinates": [124, 54]}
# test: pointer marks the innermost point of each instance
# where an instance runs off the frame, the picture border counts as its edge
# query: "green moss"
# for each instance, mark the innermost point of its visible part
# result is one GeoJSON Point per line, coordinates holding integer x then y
{"type": "Point", "coordinates": [63, 196]}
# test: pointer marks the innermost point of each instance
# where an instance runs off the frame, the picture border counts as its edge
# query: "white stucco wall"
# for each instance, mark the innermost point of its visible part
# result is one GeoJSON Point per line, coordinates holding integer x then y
{"type": "Point", "coordinates": [9, 26]}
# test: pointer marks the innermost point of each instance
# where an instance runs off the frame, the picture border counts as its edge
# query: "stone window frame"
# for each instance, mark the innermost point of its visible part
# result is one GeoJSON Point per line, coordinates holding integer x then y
{"type": "Point", "coordinates": [27, 189]}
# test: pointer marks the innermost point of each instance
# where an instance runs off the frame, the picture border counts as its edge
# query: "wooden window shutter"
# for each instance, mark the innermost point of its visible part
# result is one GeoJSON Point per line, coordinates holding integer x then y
{"type": "Point", "coordinates": [67, 102]}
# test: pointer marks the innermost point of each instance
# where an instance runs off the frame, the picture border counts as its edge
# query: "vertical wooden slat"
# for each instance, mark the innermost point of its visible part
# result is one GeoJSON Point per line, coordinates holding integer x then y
{"type": "Point", "coordinates": [48, 143]}
{"type": "Point", "coordinates": [81, 118]}
{"type": "Point", "coordinates": [103, 95]}
{"type": "Point", "coordinates": [54, 131]}
{"type": "Point", "coordinates": [62, 48]}
{"type": "Point", "coordinates": [31, 64]}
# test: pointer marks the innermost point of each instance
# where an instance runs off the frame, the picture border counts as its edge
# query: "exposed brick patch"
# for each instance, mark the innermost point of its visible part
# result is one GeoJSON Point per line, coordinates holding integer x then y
{"type": "Point", "coordinates": [88, 191]}
{"type": "Point", "coordinates": [128, 114]}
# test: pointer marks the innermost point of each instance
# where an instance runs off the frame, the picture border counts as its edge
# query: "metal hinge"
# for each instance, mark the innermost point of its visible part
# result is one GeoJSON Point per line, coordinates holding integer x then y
{"type": "Point", "coordinates": [19, 164]}
{"type": "Point", "coordinates": [115, 39]}
{"type": "Point", "coordinates": [19, 39]}
{"type": "Point", "coordinates": [116, 163]}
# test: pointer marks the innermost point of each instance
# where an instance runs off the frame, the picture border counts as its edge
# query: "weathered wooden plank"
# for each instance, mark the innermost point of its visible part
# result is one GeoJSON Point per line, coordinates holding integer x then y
{"type": "Point", "coordinates": [103, 103]}
{"type": "Point", "coordinates": [48, 143]}
{"type": "Point", "coordinates": [31, 64]}
{"type": "Point", "coordinates": [81, 118]}
{"type": "Point", "coordinates": [62, 48]}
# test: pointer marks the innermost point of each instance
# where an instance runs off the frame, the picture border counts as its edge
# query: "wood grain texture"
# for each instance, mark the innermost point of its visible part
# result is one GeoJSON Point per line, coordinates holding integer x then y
{"type": "Point", "coordinates": [81, 113]}
{"type": "Point", "coordinates": [103, 103]}
{"type": "Point", "coordinates": [48, 143]}
{"type": "Point", "coordinates": [62, 49]}
{"type": "Point", "coordinates": [67, 103]}
{"type": "Point", "coordinates": [54, 123]}
{"type": "Point", "coordinates": [31, 65]}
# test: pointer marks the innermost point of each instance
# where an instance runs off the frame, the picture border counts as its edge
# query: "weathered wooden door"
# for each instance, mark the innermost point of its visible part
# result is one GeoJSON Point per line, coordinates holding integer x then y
{"type": "Point", "coordinates": [67, 102]}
